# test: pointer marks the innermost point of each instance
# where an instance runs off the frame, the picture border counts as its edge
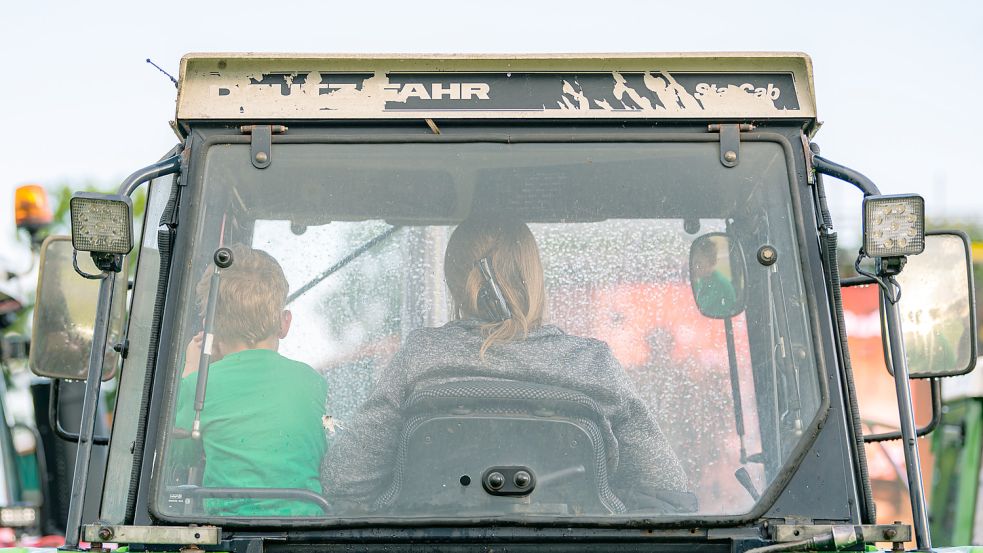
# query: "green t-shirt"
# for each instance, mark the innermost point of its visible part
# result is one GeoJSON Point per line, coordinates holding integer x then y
{"type": "Point", "coordinates": [261, 427]}
{"type": "Point", "coordinates": [715, 295]}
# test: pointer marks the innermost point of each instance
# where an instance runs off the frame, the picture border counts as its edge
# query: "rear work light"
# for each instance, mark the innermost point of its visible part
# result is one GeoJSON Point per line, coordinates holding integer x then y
{"type": "Point", "coordinates": [894, 226]}
{"type": "Point", "coordinates": [102, 223]}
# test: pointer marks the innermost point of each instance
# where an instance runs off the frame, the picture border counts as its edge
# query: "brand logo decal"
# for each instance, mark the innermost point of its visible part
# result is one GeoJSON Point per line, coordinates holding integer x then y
{"type": "Point", "coordinates": [431, 91]}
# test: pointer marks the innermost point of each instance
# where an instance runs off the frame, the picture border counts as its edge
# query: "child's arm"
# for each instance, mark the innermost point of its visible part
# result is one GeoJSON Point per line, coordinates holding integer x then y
{"type": "Point", "coordinates": [193, 354]}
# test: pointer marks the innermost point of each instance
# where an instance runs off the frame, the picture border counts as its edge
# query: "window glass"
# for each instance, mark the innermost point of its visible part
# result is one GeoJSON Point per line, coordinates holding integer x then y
{"type": "Point", "coordinates": [422, 330]}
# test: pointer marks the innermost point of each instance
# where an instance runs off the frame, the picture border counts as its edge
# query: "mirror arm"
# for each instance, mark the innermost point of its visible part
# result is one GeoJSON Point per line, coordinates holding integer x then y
{"type": "Point", "coordinates": [150, 172]}
{"type": "Point", "coordinates": [837, 171]}
{"type": "Point", "coordinates": [859, 280]}
{"type": "Point", "coordinates": [53, 402]}
{"type": "Point", "coordinates": [923, 431]}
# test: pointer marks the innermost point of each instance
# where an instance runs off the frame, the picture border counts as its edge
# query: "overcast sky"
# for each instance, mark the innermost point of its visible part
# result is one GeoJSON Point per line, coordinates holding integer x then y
{"type": "Point", "coordinates": [897, 83]}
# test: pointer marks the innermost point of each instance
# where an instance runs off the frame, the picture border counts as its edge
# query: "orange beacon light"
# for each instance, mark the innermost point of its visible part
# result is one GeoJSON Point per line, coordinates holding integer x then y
{"type": "Point", "coordinates": [31, 208]}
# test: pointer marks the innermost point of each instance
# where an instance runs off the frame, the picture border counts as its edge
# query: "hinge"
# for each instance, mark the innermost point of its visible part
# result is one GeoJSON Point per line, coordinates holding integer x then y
{"type": "Point", "coordinates": [153, 535]}
{"type": "Point", "coordinates": [181, 177]}
{"type": "Point", "coordinates": [842, 534]}
{"type": "Point", "coordinates": [730, 141]}
{"type": "Point", "coordinates": [808, 150]}
{"type": "Point", "coordinates": [261, 144]}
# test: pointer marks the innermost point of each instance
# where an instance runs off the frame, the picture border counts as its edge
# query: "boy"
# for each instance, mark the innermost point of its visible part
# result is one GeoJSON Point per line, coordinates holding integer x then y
{"type": "Point", "coordinates": [261, 425]}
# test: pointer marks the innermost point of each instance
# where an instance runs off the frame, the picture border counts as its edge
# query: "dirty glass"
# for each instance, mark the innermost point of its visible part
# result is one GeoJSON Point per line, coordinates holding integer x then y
{"type": "Point", "coordinates": [64, 319]}
{"type": "Point", "coordinates": [935, 309]}
{"type": "Point", "coordinates": [364, 390]}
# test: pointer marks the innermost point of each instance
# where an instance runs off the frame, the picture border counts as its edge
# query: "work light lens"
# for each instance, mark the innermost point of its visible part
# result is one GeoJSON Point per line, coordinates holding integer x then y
{"type": "Point", "coordinates": [894, 225]}
{"type": "Point", "coordinates": [18, 516]}
{"type": "Point", "coordinates": [101, 223]}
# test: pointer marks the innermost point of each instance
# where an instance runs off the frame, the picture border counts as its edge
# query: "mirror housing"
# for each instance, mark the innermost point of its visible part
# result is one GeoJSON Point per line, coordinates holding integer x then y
{"type": "Point", "coordinates": [717, 273]}
{"type": "Point", "coordinates": [938, 308]}
{"type": "Point", "coordinates": [65, 314]}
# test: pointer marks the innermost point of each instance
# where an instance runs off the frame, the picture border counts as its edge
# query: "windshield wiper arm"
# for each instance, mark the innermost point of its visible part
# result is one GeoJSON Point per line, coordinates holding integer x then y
{"type": "Point", "coordinates": [344, 261]}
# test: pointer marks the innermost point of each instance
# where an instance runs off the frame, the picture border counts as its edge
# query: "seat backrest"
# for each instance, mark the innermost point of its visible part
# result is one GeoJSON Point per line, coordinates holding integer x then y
{"type": "Point", "coordinates": [457, 434]}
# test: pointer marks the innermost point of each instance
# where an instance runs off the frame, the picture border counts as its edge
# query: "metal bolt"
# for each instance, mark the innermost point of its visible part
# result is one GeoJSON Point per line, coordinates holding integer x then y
{"type": "Point", "coordinates": [261, 157]}
{"type": "Point", "coordinates": [105, 534]}
{"type": "Point", "coordinates": [890, 533]}
{"type": "Point", "coordinates": [767, 255]}
{"type": "Point", "coordinates": [522, 479]}
{"type": "Point", "coordinates": [223, 258]}
{"type": "Point", "coordinates": [730, 155]}
{"type": "Point", "coordinates": [496, 480]}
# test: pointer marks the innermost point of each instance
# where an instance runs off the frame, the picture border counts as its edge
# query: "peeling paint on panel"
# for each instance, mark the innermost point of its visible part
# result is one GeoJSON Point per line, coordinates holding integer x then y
{"type": "Point", "coordinates": [673, 97]}
{"type": "Point", "coordinates": [379, 92]}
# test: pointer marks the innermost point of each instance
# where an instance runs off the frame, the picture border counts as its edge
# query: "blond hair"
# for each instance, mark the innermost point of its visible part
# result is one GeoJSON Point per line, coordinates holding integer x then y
{"type": "Point", "coordinates": [252, 293]}
{"type": "Point", "coordinates": [514, 258]}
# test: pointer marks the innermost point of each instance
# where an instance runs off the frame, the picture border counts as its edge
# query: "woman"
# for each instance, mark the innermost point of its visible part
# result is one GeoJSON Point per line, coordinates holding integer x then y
{"type": "Point", "coordinates": [495, 277]}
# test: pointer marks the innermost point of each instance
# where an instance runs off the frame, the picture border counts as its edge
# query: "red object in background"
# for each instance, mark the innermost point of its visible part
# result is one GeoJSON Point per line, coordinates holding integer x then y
{"type": "Point", "coordinates": [879, 405]}
{"type": "Point", "coordinates": [677, 359]}
{"type": "Point", "coordinates": [9, 539]}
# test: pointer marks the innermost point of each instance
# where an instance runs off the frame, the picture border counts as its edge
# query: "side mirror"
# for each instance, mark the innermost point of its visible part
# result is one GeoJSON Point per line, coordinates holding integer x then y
{"type": "Point", "coordinates": [938, 308]}
{"type": "Point", "coordinates": [65, 314]}
{"type": "Point", "coordinates": [717, 273]}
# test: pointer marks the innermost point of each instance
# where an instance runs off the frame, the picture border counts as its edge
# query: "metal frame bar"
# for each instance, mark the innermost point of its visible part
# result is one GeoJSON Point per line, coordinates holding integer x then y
{"type": "Point", "coordinates": [97, 357]}
{"type": "Point", "coordinates": [902, 384]}
{"type": "Point", "coordinates": [90, 402]}
{"type": "Point", "coordinates": [913, 466]}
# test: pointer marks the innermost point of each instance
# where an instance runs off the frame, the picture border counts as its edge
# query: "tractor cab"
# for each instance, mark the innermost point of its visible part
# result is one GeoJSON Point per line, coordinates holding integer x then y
{"type": "Point", "coordinates": [473, 302]}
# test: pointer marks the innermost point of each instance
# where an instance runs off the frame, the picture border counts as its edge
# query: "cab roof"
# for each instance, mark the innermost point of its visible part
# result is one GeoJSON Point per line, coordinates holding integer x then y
{"type": "Point", "coordinates": [670, 86]}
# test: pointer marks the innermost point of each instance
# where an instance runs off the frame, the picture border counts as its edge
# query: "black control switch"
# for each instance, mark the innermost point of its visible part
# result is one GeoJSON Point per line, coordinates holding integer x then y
{"type": "Point", "coordinates": [514, 481]}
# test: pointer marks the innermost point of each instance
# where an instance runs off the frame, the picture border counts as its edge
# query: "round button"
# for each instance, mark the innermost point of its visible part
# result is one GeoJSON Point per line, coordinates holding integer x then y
{"type": "Point", "coordinates": [495, 480]}
{"type": "Point", "coordinates": [522, 479]}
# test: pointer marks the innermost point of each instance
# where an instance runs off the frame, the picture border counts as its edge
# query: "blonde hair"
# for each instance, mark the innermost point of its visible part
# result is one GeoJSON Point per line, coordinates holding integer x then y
{"type": "Point", "coordinates": [252, 293]}
{"type": "Point", "coordinates": [514, 258]}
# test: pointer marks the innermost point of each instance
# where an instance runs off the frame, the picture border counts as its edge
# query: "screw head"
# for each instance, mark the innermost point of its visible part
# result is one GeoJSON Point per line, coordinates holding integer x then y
{"type": "Point", "coordinates": [261, 157]}
{"type": "Point", "coordinates": [105, 534]}
{"type": "Point", "coordinates": [522, 479]}
{"type": "Point", "coordinates": [496, 480]}
{"type": "Point", "coordinates": [767, 255]}
{"type": "Point", "coordinates": [730, 155]}
{"type": "Point", "coordinates": [223, 258]}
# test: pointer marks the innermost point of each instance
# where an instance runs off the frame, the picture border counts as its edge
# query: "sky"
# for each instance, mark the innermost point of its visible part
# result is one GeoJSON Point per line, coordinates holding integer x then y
{"type": "Point", "coordinates": [896, 82]}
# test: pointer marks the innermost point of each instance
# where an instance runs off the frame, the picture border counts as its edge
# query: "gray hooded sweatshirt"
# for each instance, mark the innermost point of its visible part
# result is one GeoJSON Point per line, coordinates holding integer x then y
{"type": "Point", "coordinates": [359, 464]}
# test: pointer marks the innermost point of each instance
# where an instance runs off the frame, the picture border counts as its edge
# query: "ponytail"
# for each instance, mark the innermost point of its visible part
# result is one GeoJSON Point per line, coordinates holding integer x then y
{"type": "Point", "coordinates": [513, 256]}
